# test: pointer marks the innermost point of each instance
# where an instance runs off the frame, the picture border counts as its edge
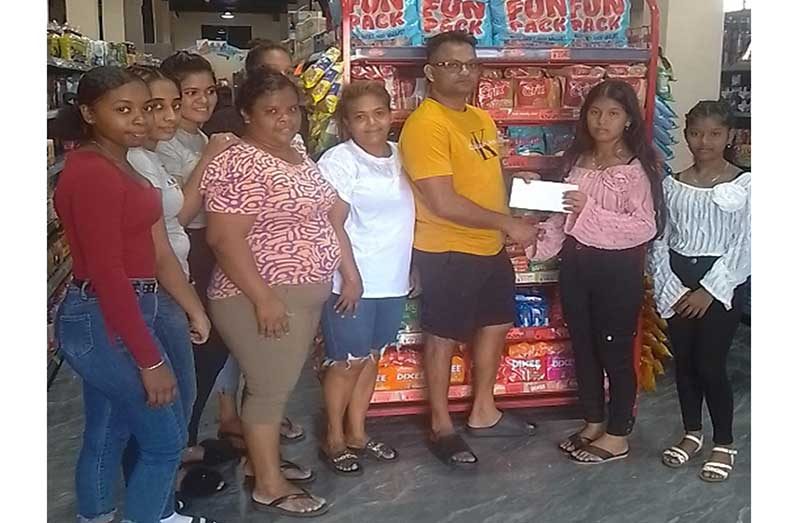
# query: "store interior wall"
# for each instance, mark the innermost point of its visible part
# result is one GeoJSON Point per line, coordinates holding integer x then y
{"type": "Point", "coordinates": [84, 16]}
{"type": "Point", "coordinates": [692, 39]}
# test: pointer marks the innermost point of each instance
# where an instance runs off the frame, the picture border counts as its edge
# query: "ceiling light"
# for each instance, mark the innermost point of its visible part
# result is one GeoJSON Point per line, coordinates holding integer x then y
{"type": "Point", "coordinates": [227, 15]}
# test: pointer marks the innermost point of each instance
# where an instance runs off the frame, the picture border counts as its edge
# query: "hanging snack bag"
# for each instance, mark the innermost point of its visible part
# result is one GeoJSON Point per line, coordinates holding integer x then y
{"type": "Point", "coordinates": [527, 140]}
{"type": "Point", "coordinates": [558, 138]}
{"type": "Point", "coordinates": [384, 73]}
{"type": "Point", "coordinates": [493, 93]}
{"type": "Point", "coordinates": [330, 102]}
{"type": "Point", "coordinates": [531, 23]}
{"type": "Point", "coordinates": [316, 72]}
{"type": "Point", "coordinates": [471, 16]}
{"type": "Point", "coordinates": [385, 23]}
{"type": "Point", "coordinates": [600, 23]}
{"type": "Point", "coordinates": [579, 80]}
{"type": "Point", "coordinates": [634, 75]}
{"type": "Point", "coordinates": [535, 90]}
{"type": "Point", "coordinates": [323, 86]}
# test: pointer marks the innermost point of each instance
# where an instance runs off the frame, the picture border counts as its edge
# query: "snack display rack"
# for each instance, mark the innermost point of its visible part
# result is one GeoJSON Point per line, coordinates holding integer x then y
{"type": "Point", "coordinates": [511, 395]}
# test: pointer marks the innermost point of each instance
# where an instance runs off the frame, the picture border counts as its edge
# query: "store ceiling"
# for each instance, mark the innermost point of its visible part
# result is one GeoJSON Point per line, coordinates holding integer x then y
{"type": "Point", "coordinates": [238, 6]}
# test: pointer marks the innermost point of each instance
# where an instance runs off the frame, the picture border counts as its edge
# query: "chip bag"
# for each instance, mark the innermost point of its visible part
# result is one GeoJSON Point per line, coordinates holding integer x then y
{"type": "Point", "coordinates": [530, 23]}
{"type": "Point", "coordinates": [385, 23]}
{"type": "Point", "coordinates": [471, 16]}
{"type": "Point", "coordinates": [600, 23]}
{"type": "Point", "coordinates": [316, 72]}
{"type": "Point", "coordinates": [579, 80]}
{"type": "Point", "coordinates": [323, 86]}
{"type": "Point", "coordinates": [495, 94]}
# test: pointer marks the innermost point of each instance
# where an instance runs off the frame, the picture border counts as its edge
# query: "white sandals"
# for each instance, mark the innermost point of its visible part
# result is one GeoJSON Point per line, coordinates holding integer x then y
{"type": "Point", "coordinates": [675, 456]}
{"type": "Point", "coordinates": [715, 471]}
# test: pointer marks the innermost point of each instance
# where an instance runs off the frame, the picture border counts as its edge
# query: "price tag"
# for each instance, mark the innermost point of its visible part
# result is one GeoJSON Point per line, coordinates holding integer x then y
{"type": "Point", "coordinates": [560, 55]}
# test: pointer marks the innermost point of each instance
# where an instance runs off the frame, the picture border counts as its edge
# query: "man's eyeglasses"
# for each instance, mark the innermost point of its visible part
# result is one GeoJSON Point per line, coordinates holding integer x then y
{"type": "Point", "coordinates": [455, 66]}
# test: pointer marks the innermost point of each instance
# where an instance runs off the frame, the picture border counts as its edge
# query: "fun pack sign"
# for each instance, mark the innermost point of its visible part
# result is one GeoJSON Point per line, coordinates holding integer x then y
{"type": "Point", "coordinates": [378, 21]}
{"type": "Point", "coordinates": [600, 21]}
{"type": "Point", "coordinates": [544, 22]}
{"type": "Point", "coordinates": [471, 16]}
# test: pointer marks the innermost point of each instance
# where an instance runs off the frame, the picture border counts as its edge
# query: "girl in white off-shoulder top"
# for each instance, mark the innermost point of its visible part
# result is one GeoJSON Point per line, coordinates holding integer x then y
{"type": "Point", "coordinates": [698, 266]}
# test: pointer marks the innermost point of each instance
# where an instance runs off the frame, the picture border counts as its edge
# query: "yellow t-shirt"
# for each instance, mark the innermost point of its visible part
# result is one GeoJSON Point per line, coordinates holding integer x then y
{"type": "Point", "coordinates": [438, 141]}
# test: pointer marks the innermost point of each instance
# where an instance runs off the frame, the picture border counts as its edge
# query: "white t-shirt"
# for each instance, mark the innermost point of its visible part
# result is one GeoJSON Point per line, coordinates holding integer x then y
{"type": "Point", "coordinates": [149, 165]}
{"type": "Point", "coordinates": [381, 216]}
{"type": "Point", "coordinates": [179, 156]}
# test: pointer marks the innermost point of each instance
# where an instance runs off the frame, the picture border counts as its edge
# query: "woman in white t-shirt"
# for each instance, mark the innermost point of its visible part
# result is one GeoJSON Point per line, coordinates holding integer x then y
{"type": "Point", "coordinates": [374, 223]}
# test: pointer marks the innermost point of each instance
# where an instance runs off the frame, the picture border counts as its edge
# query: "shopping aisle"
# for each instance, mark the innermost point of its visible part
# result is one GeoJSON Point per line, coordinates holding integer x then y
{"type": "Point", "coordinates": [517, 481]}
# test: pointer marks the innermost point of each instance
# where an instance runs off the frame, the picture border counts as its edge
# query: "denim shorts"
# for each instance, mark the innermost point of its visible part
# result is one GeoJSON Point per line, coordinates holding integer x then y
{"type": "Point", "coordinates": [367, 332]}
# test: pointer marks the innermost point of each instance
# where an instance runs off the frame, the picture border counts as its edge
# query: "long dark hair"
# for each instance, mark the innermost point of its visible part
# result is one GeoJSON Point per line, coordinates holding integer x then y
{"type": "Point", "coordinates": [92, 86]}
{"type": "Point", "coordinates": [721, 112]}
{"type": "Point", "coordinates": [634, 138]}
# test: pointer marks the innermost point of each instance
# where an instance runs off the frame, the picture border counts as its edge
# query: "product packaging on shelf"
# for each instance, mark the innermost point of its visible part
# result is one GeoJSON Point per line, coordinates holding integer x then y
{"type": "Point", "coordinates": [579, 80]}
{"type": "Point", "coordinates": [383, 73]}
{"type": "Point", "coordinates": [471, 16]}
{"type": "Point", "coordinates": [316, 72]}
{"type": "Point", "coordinates": [411, 320]}
{"type": "Point", "coordinates": [494, 91]}
{"type": "Point", "coordinates": [534, 89]}
{"type": "Point", "coordinates": [539, 361]}
{"type": "Point", "coordinates": [527, 140]}
{"type": "Point", "coordinates": [559, 138]}
{"type": "Point", "coordinates": [402, 369]}
{"type": "Point", "coordinates": [385, 23]}
{"type": "Point", "coordinates": [600, 23]}
{"type": "Point", "coordinates": [74, 46]}
{"type": "Point", "coordinates": [634, 75]}
{"type": "Point", "coordinates": [323, 86]}
{"type": "Point", "coordinates": [531, 310]}
{"type": "Point", "coordinates": [531, 23]}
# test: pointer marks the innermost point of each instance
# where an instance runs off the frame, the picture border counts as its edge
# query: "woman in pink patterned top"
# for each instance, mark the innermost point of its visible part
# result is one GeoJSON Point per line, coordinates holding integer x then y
{"type": "Point", "coordinates": [276, 251]}
{"type": "Point", "coordinates": [615, 212]}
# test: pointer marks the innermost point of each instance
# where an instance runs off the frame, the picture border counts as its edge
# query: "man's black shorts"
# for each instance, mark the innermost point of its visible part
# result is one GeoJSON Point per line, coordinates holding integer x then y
{"type": "Point", "coordinates": [462, 293]}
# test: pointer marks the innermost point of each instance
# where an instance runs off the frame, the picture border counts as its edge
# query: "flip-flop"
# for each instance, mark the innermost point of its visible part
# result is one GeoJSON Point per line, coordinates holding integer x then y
{"type": "Point", "coordinates": [604, 455]}
{"type": "Point", "coordinates": [285, 464]}
{"type": "Point", "coordinates": [577, 441]}
{"type": "Point", "coordinates": [274, 506]}
{"type": "Point", "coordinates": [340, 460]}
{"type": "Point", "coordinates": [507, 426]}
{"type": "Point", "coordinates": [286, 439]}
{"type": "Point", "coordinates": [446, 447]}
{"type": "Point", "coordinates": [378, 450]}
{"type": "Point", "coordinates": [201, 482]}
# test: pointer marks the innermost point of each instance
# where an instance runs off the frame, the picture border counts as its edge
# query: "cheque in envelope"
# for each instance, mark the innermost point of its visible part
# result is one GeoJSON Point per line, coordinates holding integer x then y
{"type": "Point", "coordinates": [538, 195]}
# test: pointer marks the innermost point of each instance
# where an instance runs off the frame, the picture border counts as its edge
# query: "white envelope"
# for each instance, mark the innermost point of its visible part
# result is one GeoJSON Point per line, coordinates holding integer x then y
{"type": "Point", "coordinates": [539, 195]}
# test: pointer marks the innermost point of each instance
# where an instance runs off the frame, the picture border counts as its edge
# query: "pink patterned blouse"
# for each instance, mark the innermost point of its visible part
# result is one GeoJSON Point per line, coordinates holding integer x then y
{"type": "Point", "coordinates": [292, 240]}
{"type": "Point", "coordinates": [619, 213]}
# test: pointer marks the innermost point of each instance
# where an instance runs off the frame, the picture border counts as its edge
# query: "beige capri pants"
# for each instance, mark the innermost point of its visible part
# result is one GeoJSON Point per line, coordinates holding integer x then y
{"type": "Point", "coordinates": [271, 366]}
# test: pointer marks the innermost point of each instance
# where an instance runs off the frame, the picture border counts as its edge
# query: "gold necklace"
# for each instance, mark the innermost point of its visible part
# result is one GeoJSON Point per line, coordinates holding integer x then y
{"type": "Point", "coordinates": [711, 181]}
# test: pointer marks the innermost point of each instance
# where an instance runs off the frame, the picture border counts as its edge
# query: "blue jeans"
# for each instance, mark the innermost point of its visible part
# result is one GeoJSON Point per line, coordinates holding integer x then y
{"type": "Point", "coordinates": [115, 409]}
{"type": "Point", "coordinates": [172, 329]}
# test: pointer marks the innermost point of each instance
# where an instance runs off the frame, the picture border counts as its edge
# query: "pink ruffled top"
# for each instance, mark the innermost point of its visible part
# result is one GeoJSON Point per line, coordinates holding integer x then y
{"type": "Point", "coordinates": [619, 213]}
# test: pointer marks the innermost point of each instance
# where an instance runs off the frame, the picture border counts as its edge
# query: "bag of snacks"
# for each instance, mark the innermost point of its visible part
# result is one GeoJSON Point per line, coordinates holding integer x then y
{"type": "Point", "coordinates": [600, 23]}
{"type": "Point", "coordinates": [471, 16]}
{"type": "Point", "coordinates": [495, 93]}
{"type": "Point", "coordinates": [634, 75]}
{"type": "Point", "coordinates": [579, 80]}
{"type": "Point", "coordinates": [385, 23]}
{"type": "Point", "coordinates": [530, 23]}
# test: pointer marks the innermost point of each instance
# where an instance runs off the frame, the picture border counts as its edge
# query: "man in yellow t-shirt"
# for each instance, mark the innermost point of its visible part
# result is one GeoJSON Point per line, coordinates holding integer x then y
{"type": "Point", "coordinates": [450, 151]}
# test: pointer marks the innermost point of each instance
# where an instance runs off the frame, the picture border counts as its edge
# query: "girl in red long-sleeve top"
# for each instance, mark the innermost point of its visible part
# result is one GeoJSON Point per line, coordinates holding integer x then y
{"type": "Point", "coordinates": [114, 224]}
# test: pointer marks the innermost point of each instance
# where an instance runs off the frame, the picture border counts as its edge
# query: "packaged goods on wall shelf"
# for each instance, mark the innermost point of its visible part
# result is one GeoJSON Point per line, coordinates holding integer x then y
{"type": "Point", "coordinates": [512, 23]}
{"type": "Point", "coordinates": [68, 49]}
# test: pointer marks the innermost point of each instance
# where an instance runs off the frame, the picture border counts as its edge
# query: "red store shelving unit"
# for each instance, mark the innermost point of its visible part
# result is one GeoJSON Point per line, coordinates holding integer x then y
{"type": "Point", "coordinates": [514, 395]}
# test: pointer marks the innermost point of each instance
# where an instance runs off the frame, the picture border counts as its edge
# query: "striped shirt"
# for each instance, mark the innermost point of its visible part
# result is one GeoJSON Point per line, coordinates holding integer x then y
{"type": "Point", "coordinates": [704, 222]}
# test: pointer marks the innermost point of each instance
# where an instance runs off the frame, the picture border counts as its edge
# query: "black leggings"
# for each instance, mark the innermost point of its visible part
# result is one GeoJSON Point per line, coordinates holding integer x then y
{"type": "Point", "coordinates": [602, 291]}
{"type": "Point", "coordinates": [701, 347]}
{"type": "Point", "coordinates": [211, 356]}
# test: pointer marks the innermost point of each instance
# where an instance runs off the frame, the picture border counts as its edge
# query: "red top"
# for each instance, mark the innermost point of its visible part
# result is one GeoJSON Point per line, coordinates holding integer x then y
{"type": "Point", "coordinates": [108, 219]}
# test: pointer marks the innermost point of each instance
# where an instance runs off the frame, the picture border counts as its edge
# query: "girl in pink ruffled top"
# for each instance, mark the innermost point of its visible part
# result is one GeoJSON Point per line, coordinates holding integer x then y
{"type": "Point", "coordinates": [602, 242]}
